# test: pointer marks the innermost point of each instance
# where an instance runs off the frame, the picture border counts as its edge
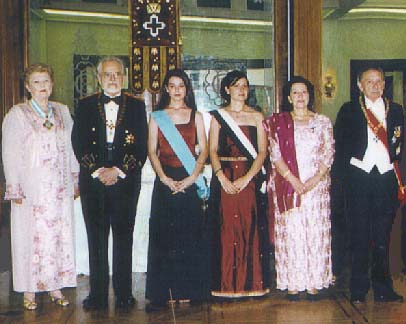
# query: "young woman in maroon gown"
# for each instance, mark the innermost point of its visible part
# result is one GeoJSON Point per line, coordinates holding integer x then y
{"type": "Point", "coordinates": [235, 192]}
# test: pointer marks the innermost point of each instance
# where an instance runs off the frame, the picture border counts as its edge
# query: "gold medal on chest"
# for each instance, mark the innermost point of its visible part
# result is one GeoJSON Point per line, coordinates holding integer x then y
{"type": "Point", "coordinates": [47, 124]}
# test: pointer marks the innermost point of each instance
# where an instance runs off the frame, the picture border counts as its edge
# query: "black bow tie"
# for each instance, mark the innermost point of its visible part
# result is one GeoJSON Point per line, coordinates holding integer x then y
{"type": "Point", "coordinates": [106, 99]}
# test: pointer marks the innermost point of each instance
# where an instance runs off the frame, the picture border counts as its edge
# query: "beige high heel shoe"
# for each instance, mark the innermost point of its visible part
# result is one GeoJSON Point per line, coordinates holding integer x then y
{"type": "Point", "coordinates": [60, 301]}
{"type": "Point", "coordinates": [30, 304]}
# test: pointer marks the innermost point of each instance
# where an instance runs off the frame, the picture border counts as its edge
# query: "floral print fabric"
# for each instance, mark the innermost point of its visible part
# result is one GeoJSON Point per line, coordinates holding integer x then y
{"type": "Point", "coordinates": [302, 234]}
{"type": "Point", "coordinates": [40, 167]}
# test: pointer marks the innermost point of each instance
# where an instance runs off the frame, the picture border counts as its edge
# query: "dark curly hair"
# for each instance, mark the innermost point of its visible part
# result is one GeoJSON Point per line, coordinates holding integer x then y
{"type": "Point", "coordinates": [164, 97]}
{"type": "Point", "coordinates": [229, 80]}
{"type": "Point", "coordinates": [286, 105]}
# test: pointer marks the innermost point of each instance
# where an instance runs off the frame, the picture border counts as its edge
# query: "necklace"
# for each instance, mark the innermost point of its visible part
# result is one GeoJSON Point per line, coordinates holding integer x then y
{"type": "Point", "coordinates": [380, 124]}
{"type": "Point", "coordinates": [243, 109]}
{"type": "Point", "coordinates": [300, 117]}
{"type": "Point", "coordinates": [236, 112]}
{"type": "Point", "coordinates": [173, 107]}
{"type": "Point", "coordinates": [40, 113]}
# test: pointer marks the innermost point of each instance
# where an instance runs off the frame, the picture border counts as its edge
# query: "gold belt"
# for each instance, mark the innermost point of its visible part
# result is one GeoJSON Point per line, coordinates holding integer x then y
{"type": "Point", "coordinates": [233, 158]}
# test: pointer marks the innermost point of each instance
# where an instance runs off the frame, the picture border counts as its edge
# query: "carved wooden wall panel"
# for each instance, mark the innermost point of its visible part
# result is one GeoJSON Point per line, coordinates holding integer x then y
{"type": "Point", "coordinates": [14, 50]}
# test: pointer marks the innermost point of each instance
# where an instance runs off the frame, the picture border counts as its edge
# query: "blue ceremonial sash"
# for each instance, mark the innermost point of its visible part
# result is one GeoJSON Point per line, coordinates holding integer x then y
{"type": "Point", "coordinates": [181, 149]}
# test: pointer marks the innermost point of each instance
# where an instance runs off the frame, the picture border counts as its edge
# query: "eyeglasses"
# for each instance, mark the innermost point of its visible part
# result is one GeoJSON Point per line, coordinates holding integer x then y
{"type": "Point", "coordinates": [109, 75]}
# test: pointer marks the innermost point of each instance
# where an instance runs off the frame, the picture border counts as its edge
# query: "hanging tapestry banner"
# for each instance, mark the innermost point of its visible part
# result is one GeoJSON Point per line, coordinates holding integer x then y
{"type": "Point", "coordinates": [155, 42]}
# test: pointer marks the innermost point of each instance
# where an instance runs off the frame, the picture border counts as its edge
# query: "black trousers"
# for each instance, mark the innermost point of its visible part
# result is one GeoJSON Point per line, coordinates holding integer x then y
{"type": "Point", "coordinates": [339, 226]}
{"type": "Point", "coordinates": [372, 203]}
{"type": "Point", "coordinates": [105, 207]}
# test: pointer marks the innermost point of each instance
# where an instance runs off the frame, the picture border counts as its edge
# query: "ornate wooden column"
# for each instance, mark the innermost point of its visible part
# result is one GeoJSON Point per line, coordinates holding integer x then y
{"type": "Point", "coordinates": [307, 43]}
{"type": "Point", "coordinates": [13, 51]}
{"type": "Point", "coordinates": [281, 52]}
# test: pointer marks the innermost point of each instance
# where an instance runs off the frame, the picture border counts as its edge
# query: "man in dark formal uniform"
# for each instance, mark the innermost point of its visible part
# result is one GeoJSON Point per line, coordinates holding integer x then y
{"type": "Point", "coordinates": [368, 136]}
{"type": "Point", "coordinates": [402, 166]}
{"type": "Point", "coordinates": [110, 141]}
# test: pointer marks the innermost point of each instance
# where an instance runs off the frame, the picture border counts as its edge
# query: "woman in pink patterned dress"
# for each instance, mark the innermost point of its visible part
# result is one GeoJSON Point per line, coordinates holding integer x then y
{"type": "Point", "coordinates": [301, 151]}
{"type": "Point", "coordinates": [41, 181]}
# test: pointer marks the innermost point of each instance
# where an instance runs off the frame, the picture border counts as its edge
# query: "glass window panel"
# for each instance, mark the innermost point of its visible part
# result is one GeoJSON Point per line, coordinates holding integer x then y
{"type": "Point", "coordinates": [214, 3]}
{"type": "Point", "coordinates": [101, 1]}
{"type": "Point", "coordinates": [227, 40]}
{"type": "Point", "coordinates": [255, 4]}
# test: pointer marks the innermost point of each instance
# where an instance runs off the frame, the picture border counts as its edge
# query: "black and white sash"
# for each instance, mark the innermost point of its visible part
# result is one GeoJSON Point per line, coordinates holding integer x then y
{"type": "Point", "coordinates": [238, 137]}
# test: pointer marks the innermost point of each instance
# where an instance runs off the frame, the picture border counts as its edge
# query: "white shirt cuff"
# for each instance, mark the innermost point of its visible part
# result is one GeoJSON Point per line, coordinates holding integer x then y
{"type": "Point", "coordinates": [121, 174]}
{"type": "Point", "coordinates": [96, 173]}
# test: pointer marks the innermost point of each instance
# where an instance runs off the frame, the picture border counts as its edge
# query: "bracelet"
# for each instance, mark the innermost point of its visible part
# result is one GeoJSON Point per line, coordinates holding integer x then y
{"type": "Point", "coordinates": [217, 171]}
{"type": "Point", "coordinates": [286, 174]}
{"type": "Point", "coordinates": [321, 173]}
{"type": "Point", "coordinates": [201, 163]}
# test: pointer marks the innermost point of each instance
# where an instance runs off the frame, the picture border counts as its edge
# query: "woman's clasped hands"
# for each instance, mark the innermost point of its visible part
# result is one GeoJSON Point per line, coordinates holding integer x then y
{"type": "Point", "coordinates": [178, 186]}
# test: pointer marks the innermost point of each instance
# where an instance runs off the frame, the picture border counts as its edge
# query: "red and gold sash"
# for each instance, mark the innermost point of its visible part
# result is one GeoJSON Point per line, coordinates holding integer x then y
{"type": "Point", "coordinates": [381, 134]}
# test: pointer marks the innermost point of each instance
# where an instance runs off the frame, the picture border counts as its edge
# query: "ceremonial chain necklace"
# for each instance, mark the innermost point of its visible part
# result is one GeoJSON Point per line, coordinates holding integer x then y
{"type": "Point", "coordinates": [121, 112]}
{"type": "Point", "coordinates": [40, 113]}
{"type": "Point", "coordinates": [380, 124]}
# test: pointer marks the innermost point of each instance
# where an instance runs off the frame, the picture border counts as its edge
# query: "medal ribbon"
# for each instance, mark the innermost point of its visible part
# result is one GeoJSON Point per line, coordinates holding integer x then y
{"type": "Point", "coordinates": [40, 112]}
{"type": "Point", "coordinates": [37, 109]}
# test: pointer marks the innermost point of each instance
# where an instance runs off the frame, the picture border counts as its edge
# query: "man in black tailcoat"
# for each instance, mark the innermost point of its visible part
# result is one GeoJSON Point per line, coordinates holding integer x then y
{"type": "Point", "coordinates": [369, 136]}
{"type": "Point", "coordinates": [110, 141]}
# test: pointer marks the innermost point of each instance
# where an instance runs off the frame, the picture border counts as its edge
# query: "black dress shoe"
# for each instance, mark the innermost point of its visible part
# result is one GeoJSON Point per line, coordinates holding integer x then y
{"type": "Point", "coordinates": [196, 302]}
{"type": "Point", "coordinates": [155, 306]}
{"type": "Point", "coordinates": [388, 297]}
{"type": "Point", "coordinates": [90, 303]}
{"type": "Point", "coordinates": [125, 302]}
{"type": "Point", "coordinates": [357, 299]}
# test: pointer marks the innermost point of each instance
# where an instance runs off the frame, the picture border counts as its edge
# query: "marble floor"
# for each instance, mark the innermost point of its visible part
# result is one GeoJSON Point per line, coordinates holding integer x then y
{"type": "Point", "coordinates": [333, 308]}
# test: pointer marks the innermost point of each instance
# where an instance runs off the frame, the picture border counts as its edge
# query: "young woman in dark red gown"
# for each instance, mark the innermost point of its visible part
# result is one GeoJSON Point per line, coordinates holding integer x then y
{"type": "Point", "coordinates": [235, 193]}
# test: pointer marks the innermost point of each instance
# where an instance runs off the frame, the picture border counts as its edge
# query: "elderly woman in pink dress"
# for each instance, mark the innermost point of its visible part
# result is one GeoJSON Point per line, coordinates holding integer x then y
{"type": "Point", "coordinates": [301, 152]}
{"type": "Point", "coordinates": [41, 181]}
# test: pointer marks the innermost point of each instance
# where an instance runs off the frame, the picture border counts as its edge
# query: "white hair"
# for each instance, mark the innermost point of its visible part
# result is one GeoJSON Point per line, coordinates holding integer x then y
{"type": "Point", "coordinates": [110, 59]}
